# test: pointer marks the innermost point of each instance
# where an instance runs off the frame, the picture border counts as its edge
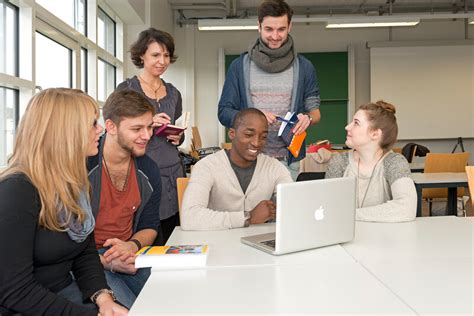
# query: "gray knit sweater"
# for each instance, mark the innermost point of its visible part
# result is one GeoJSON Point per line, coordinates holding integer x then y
{"type": "Point", "coordinates": [390, 196]}
{"type": "Point", "coordinates": [214, 199]}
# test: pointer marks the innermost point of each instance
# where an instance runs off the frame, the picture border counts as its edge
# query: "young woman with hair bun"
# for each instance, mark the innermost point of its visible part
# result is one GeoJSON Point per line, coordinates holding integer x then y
{"type": "Point", "coordinates": [385, 191]}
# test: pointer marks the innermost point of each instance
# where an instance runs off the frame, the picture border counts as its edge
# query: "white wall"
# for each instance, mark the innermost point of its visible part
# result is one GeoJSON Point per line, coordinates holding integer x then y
{"type": "Point", "coordinates": [308, 38]}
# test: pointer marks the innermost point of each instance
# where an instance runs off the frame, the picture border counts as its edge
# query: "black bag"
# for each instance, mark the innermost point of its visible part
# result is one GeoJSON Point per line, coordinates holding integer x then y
{"type": "Point", "coordinates": [412, 149]}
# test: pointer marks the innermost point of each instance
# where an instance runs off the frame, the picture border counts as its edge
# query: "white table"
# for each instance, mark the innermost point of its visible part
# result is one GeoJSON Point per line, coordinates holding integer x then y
{"type": "Point", "coordinates": [225, 248]}
{"type": "Point", "coordinates": [421, 267]}
{"type": "Point", "coordinates": [310, 288]}
{"type": "Point", "coordinates": [428, 263]}
{"type": "Point", "coordinates": [450, 180]}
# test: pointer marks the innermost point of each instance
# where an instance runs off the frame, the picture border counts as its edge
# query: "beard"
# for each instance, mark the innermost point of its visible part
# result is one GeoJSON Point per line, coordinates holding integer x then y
{"type": "Point", "coordinates": [128, 146]}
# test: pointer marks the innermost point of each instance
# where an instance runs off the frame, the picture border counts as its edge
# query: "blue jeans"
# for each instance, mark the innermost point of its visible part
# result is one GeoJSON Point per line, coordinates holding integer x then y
{"type": "Point", "coordinates": [73, 294]}
{"type": "Point", "coordinates": [126, 287]}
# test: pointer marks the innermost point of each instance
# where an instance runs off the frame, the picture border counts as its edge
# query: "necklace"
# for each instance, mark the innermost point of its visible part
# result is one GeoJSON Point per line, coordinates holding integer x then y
{"type": "Point", "coordinates": [368, 185]}
{"type": "Point", "coordinates": [155, 91]}
{"type": "Point", "coordinates": [110, 176]}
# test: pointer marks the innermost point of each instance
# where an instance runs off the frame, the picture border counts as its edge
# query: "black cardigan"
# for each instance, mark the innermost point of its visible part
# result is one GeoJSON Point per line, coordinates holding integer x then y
{"type": "Point", "coordinates": [35, 263]}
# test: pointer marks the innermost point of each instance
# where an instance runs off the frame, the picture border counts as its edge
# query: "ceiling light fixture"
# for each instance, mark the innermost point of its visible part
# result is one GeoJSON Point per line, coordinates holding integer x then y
{"type": "Point", "coordinates": [371, 21]}
{"type": "Point", "coordinates": [227, 24]}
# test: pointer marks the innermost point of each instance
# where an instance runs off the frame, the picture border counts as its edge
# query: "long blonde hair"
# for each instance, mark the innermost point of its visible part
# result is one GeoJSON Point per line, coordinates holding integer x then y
{"type": "Point", "coordinates": [51, 147]}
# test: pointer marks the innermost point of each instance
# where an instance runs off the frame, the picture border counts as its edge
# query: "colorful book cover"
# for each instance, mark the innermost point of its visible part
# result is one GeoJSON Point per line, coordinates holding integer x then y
{"type": "Point", "coordinates": [181, 249]}
{"type": "Point", "coordinates": [293, 142]}
{"type": "Point", "coordinates": [180, 125]}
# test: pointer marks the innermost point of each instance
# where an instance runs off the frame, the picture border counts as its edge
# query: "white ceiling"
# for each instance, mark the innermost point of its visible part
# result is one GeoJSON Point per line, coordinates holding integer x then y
{"type": "Point", "coordinates": [189, 10]}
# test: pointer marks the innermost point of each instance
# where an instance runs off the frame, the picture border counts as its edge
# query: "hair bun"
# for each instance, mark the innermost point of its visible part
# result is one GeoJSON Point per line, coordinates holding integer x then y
{"type": "Point", "coordinates": [386, 106]}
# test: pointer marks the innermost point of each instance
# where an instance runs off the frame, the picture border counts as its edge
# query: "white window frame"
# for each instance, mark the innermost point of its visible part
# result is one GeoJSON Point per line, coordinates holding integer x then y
{"type": "Point", "coordinates": [33, 17]}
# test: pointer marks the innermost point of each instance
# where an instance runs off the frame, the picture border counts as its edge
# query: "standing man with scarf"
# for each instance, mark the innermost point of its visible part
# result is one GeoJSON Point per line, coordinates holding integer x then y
{"type": "Point", "coordinates": [273, 78]}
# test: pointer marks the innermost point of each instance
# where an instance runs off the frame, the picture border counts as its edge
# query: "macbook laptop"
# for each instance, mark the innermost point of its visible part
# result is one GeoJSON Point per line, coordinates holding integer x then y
{"type": "Point", "coordinates": [310, 214]}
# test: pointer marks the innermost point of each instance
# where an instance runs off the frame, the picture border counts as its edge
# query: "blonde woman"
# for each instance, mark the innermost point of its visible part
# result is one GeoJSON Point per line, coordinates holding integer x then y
{"type": "Point", "coordinates": [49, 264]}
{"type": "Point", "coordinates": [385, 190]}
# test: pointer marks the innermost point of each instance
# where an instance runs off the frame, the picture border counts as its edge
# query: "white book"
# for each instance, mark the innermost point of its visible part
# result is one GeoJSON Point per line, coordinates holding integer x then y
{"type": "Point", "coordinates": [172, 257]}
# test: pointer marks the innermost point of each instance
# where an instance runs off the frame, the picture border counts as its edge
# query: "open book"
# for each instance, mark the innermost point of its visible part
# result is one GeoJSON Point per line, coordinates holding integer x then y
{"type": "Point", "coordinates": [174, 129]}
{"type": "Point", "coordinates": [292, 141]}
{"type": "Point", "coordinates": [171, 257]}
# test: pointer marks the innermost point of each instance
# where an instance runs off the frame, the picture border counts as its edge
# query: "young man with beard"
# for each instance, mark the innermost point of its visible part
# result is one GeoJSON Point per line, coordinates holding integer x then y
{"type": "Point", "coordinates": [126, 188]}
{"type": "Point", "coordinates": [272, 77]}
{"type": "Point", "coordinates": [233, 188]}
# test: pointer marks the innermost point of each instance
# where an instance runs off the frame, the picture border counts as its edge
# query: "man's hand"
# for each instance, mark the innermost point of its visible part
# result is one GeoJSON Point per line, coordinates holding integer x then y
{"type": "Point", "coordinates": [271, 118]}
{"type": "Point", "coordinates": [264, 211]}
{"type": "Point", "coordinates": [302, 125]}
{"type": "Point", "coordinates": [119, 249]}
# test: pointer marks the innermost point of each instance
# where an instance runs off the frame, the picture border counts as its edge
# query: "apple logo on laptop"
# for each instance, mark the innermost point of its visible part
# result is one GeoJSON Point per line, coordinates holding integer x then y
{"type": "Point", "coordinates": [319, 213]}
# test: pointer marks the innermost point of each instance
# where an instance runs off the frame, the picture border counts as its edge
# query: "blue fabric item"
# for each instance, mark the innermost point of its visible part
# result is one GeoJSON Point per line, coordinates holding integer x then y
{"type": "Point", "coordinates": [149, 184]}
{"type": "Point", "coordinates": [77, 231]}
{"type": "Point", "coordinates": [236, 92]}
{"type": "Point", "coordinates": [74, 294]}
{"type": "Point", "coordinates": [126, 287]}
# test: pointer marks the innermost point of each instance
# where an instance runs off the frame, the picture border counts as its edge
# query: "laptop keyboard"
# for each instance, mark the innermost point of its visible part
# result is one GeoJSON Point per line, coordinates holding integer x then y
{"type": "Point", "coordinates": [269, 243]}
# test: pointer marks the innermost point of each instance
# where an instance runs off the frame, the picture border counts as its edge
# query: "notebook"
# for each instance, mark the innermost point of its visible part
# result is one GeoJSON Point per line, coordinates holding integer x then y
{"type": "Point", "coordinates": [310, 214]}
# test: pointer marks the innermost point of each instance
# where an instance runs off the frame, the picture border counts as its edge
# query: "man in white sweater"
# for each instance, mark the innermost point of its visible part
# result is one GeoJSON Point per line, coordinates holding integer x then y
{"type": "Point", "coordinates": [233, 188]}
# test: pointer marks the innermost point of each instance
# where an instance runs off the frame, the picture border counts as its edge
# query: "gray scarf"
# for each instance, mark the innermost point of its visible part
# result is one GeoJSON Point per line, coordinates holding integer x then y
{"type": "Point", "coordinates": [77, 231]}
{"type": "Point", "coordinates": [272, 60]}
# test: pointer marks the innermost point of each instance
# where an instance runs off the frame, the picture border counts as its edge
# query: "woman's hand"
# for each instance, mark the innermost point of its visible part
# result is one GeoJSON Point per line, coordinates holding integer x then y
{"type": "Point", "coordinates": [124, 266]}
{"type": "Point", "coordinates": [175, 139]}
{"type": "Point", "coordinates": [161, 119]}
{"type": "Point", "coordinates": [107, 306]}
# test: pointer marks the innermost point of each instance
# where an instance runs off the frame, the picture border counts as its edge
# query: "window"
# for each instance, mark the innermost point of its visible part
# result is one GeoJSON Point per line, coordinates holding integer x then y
{"type": "Point", "coordinates": [84, 69]}
{"type": "Point", "coordinates": [105, 79]}
{"type": "Point", "coordinates": [105, 31]}
{"type": "Point", "coordinates": [73, 12]}
{"type": "Point", "coordinates": [53, 63]}
{"type": "Point", "coordinates": [8, 38]}
{"type": "Point", "coordinates": [8, 122]}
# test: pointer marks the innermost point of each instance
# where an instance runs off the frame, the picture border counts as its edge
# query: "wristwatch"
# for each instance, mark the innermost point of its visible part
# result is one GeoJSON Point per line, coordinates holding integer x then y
{"type": "Point", "coordinates": [96, 295]}
{"type": "Point", "coordinates": [247, 219]}
{"type": "Point", "coordinates": [310, 117]}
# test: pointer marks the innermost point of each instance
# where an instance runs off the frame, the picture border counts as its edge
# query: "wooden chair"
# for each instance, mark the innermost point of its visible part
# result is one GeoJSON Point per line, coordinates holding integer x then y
{"type": "Point", "coordinates": [226, 146]}
{"type": "Point", "coordinates": [181, 184]}
{"type": "Point", "coordinates": [443, 162]}
{"type": "Point", "coordinates": [397, 150]}
{"type": "Point", "coordinates": [470, 180]}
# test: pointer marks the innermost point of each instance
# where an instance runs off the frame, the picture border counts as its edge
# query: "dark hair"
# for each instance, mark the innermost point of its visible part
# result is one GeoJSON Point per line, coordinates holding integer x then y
{"type": "Point", "coordinates": [125, 103]}
{"type": "Point", "coordinates": [274, 8]}
{"type": "Point", "coordinates": [145, 38]}
{"type": "Point", "coordinates": [381, 115]}
{"type": "Point", "coordinates": [242, 114]}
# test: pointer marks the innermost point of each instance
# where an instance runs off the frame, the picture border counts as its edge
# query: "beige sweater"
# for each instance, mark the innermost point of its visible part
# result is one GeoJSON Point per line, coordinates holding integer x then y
{"type": "Point", "coordinates": [214, 199]}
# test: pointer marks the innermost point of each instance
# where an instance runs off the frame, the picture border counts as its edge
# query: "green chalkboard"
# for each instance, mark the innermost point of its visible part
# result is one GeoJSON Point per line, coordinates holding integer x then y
{"type": "Point", "coordinates": [332, 73]}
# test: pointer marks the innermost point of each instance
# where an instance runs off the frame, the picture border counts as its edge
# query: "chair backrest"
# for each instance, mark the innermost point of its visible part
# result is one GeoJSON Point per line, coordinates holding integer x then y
{"type": "Point", "coordinates": [470, 180]}
{"type": "Point", "coordinates": [226, 146]}
{"type": "Point", "coordinates": [397, 150]}
{"type": "Point", "coordinates": [181, 184]}
{"type": "Point", "coordinates": [197, 142]}
{"type": "Point", "coordinates": [444, 162]}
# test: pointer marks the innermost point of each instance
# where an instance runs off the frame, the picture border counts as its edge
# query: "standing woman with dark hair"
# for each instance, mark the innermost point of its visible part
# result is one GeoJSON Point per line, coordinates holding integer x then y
{"type": "Point", "coordinates": [385, 190]}
{"type": "Point", "coordinates": [46, 221]}
{"type": "Point", "coordinates": [153, 52]}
